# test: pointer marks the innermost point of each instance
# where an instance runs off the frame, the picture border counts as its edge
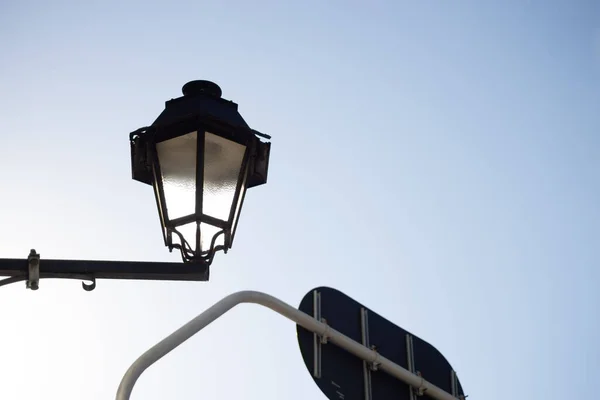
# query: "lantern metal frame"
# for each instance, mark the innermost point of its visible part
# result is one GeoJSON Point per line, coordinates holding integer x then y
{"type": "Point", "coordinates": [150, 137]}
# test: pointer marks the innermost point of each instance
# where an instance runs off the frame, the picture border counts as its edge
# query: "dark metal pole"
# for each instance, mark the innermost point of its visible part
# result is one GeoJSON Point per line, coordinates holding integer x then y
{"type": "Point", "coordinates": [33, 268]}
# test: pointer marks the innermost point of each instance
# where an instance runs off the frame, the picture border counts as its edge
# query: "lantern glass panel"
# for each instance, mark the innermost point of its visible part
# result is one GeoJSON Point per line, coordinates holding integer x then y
{"type": "Point", "coordinates": [207, 232]}
{"type": "Point", "coordinates": [177, 161]}
{"type": "Point", "coordinates": [222, 163]}
{"type": "Point", "coordinates": [188, 231]}
{"type": "Point", "coordinates": [238, 206]}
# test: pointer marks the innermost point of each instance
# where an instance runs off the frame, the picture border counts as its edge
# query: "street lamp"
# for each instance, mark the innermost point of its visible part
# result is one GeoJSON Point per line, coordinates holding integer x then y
{"type": "Point", "coordinates": [200, 157]}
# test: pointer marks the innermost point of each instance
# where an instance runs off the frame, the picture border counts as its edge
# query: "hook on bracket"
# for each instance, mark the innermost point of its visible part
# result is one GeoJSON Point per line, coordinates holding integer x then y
{"type": "Point", "coordinates": [88, 287]}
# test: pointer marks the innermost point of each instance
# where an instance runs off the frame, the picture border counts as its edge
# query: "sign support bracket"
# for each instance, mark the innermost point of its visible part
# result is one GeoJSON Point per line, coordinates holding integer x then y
{"type": "Point", "coordinates": [367, 367]}
{"type": "Point", "coordinates": [317, 340]}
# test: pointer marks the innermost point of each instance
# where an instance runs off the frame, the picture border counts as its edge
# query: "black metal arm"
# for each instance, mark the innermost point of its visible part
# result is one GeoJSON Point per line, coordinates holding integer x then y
{"type": "Point", "coordinates": [33, 268]}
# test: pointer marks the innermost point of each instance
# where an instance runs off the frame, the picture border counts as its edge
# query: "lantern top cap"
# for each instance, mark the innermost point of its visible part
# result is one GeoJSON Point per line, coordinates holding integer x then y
{"type": "Point", "coordinates": [194, 88]}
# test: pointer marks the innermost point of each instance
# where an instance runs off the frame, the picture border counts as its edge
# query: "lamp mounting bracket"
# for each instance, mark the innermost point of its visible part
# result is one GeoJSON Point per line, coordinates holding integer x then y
{"type": "Point", "coordinates": [33, 270]}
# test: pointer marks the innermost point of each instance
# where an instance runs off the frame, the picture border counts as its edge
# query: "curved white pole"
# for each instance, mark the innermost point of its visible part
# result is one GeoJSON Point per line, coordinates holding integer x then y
{"type": "Point", "coordinates": [306, 321]}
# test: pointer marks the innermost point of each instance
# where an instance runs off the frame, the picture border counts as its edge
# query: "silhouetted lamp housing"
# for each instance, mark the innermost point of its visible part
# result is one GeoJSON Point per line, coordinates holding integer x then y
{"type": "Point", "coordinates": [200, 156]}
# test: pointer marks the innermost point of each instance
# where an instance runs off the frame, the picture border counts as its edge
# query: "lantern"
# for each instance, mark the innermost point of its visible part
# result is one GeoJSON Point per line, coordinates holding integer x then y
{"type": "Point", "coordinates": [200, 156]}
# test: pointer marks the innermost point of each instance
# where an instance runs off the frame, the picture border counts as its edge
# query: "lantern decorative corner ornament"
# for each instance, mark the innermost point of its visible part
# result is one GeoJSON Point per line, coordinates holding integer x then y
{"type": "Point", "coordinates": [200, 156]}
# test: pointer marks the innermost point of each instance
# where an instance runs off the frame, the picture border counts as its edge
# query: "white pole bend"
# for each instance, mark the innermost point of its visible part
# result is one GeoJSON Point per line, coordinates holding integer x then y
{"type": "Point", "coordinates": [176, 338]}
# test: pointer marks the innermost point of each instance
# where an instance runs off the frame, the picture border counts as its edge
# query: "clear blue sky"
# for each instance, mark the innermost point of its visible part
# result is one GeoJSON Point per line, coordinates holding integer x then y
{"type": "Point", "coordinates": [438, 161]}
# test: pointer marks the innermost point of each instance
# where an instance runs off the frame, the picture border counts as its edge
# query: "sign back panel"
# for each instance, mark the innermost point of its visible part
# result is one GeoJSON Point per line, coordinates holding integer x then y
{"type": "Point", "coordinates": [342, 376]}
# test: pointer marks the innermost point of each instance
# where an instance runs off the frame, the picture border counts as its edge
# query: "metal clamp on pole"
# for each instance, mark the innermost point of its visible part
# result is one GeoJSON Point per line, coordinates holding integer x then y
{"type": "Point", "coordinates": [420, 391]}
{"type": "Point", "coordinates": [374, 366]}
{"type": "Point", "coordinates": [33, 270]}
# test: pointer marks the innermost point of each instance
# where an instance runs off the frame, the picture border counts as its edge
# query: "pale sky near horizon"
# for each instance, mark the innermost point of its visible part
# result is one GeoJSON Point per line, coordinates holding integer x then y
{"type": "Point", "coordinates": [437, 161]}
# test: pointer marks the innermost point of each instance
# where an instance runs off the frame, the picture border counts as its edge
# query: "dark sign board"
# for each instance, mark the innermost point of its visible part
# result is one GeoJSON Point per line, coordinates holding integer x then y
{"type": "Point", "coordinates": [342, 376]}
